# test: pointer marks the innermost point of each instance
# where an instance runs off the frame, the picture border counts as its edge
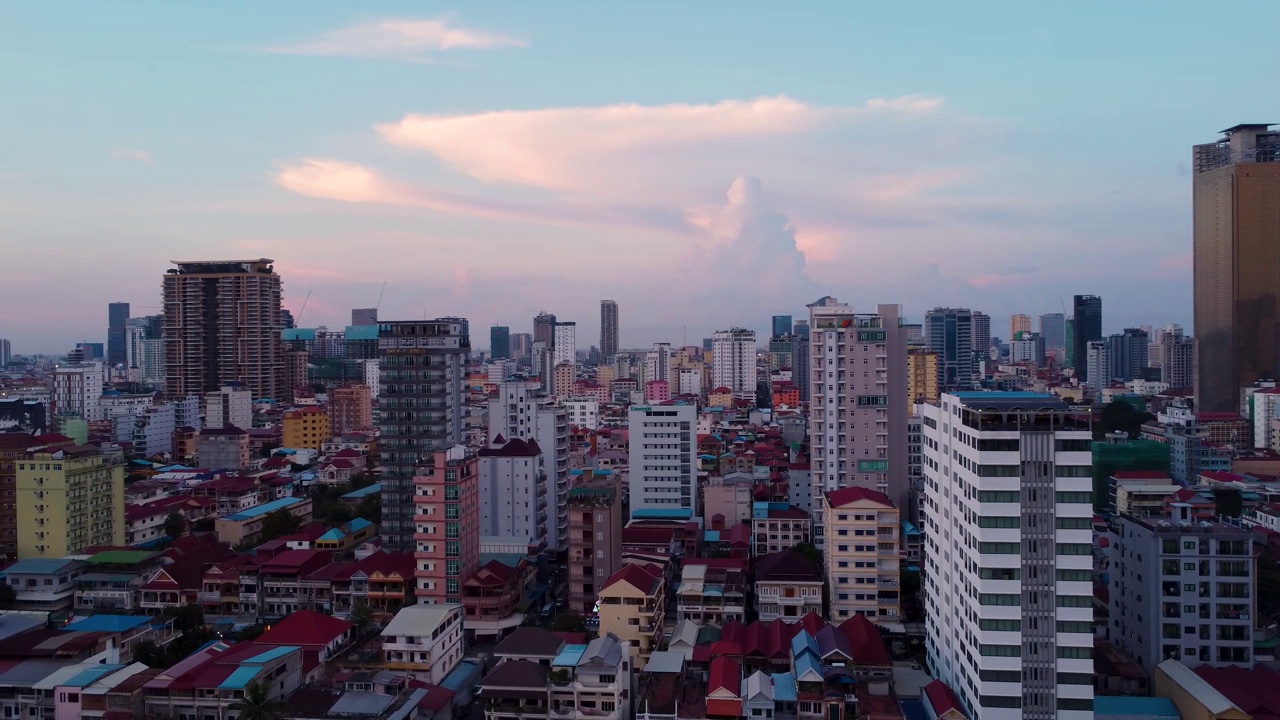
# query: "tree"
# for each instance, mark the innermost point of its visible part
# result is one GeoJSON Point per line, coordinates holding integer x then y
{"type": "Point", "coordinates": [257, 703]}
{"type": "Point", "coordinates": [249, 633]}
{"type": "Point", "coordinates": [186, 617]}
{"type": "Point", "coordinates": [268, 448]}
{"type": "Point", "coordinates": [202, 525]}
{"type": "Point", "coordinates": [1228, 501]}
{"type": "Point", "coordinates": [360, 617]}
{"type": "Point", "coordinates": [569, 622]}
{"type": "Point", "coordinates": [279, 524]}
{"type": "Point", "coordinates": [370, 508]}
{"type": "Point", "coordinates": [810, 553]}
{"type": "Point", "coordinates": [175, 525]}
{"type": "Point", "coordinates": [7, 596]}
{"type": "Point", "coordinates": [1119, 415]}
{"type": "Point", "coordinates": [1268, 581]}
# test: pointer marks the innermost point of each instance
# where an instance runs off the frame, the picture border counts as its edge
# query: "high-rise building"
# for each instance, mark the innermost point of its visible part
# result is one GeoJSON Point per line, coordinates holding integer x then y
{"type": "Point", "coordinates": [950, 333]}
{"type": "Point", "coordinates": [91, 351]}
{"type": "Point", "coordinates": [514, 494]}
{"type": "Point", "coordinates": [229, 406]}
{"type": "Point", "coordinates": [521, 346]}
{"type": "Point", "coordinates": [499, 342]}
{"type": "Point", "coordinates": [1028, 348]}
{"type": "Point", "coordinates": [595, 539]}
{"type": "Point", "coordinates": [443, 519]}
{"type": "Point", "coordinates": [544, 329]}
{"type": "Point", "coordinates": [69, 497]}
{"type": "Point", "coordinates": [117, 316]}
{"type": "Point", "coordinates": [1053, 327]}
{"type": "Point", "coordinates": [6, 352]}
{"type": "Point", "coordinates": [13, 445]}
{"type": "Point", "coordinates": [801, 329]}
{"type": "Point", "coordinates": [608, 328]}
{"type": "Point", "coordinates": [1184, 562]}
{"type": "Point", "coordinates": [863, 554]}
{"type": "Point", "coordinates": [364, 317]}
{"type": "Point", "coordinates": [800, 362]}
{"type": "Point", "coordinates": [422, 366]}
{"type": "Point", "coordinates": [662, 449]}
{"type": "Point", "coordinates": [222, 324]}
{"type": "Point", "coordinates": [657, 363]}
{"type": "Point", "coordinates": [734, 362]}
{"type": "Point", "coordinates": [1019, 324]}
{"type": "Point", "coordinates": [1086, 327]}
{"type": "Point", "coordinates": [77, 390]}
{"type": "Point", "coordinates": [1097, 364]}
{"type": "Point", "coordinates": [858, 403]}
{"type": "Point", "coordinates": [564, 344]}
{"type": "Point", "coordinates": [781, 325]}
{"type": "Point", "coordinates": [1177, 358]}
{"type": "Point", "coordinates": [1236, 208]}
{"type": "Point", "coordinates": [350, 408]}
{"type": "Point", "coordinates": [521, 411]}
{"type": "Point", "coordinates": [1009, 609]}
{"type": "Point", "coordinates": [1128, 354]}
{"type": "Point", "coordinates": [144, 348]}
{"type": "Point", "coordinates": [922, 376]}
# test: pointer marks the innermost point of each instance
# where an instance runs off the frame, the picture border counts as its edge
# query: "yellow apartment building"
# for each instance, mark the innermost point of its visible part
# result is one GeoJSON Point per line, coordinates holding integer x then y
{"type": "Point", "coordinates": [68, 498]}
{"type": "Point", "coordinates": [306, 428]}
{"type": "Point", "coordinates": [863, 554]}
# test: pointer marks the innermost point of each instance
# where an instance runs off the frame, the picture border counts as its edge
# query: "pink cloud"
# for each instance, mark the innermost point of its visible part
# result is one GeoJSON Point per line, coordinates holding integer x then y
{"type": "Point", "coordinates": [398, 39]}
{"type": "Point", "coordinates": [1176, 264]}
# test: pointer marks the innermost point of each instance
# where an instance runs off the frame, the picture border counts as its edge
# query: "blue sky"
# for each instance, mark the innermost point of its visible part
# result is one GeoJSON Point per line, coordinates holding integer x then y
{"type": "Point", "coordinates": [705, 164]}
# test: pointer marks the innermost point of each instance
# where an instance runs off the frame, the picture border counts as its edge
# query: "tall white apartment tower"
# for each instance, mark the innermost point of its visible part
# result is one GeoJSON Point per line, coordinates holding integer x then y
{"type": "Point", "coordinates": [858, 402]}
{"type": "Point", "coordinates": [565, 345]}
{"type": "Point", "coordinates": [521, 411]}
{"type": "Point", "coordinates": [661, 449]}
{"type": "Point", "coordinates": [733, 354]}
{"type": "Point", "coordinates": [1008, 580]}
{"type": "Point", "coordinates": [657, 363]}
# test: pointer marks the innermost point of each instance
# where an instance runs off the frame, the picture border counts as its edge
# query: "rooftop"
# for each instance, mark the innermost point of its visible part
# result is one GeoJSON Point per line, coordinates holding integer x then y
{"type": "Point", "coordinates": [264, 508]}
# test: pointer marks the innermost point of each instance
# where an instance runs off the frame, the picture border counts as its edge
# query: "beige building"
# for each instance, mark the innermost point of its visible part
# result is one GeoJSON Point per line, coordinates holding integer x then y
{"type": "Point", "coordinates": [863, 554]}
{"type": "Point", "coordinates": [306, 427]}
{"type": "Point", "coordinates": [728, 496]}
{"type": "Point", "coordinates": [788, 586]}
{"type": "Point", "coordinates": [245, 526]}
{"type": "Point", "coordinates": [633, 604]}
{"type": "Point", "coordinates": [1236, 210]}
{"type": "Point", "coordinates": [68, 498]}
{"type": "Point", "coordinates": [1143, 496]}
{"type": "Point", "coordinates": [595, 540]}
{"type": "Point", "coordinates": [350, 409]}
{"type": "Point", "coordinates": [922, 377]}
{"type": "Point", "coordinates": [1019, 324]}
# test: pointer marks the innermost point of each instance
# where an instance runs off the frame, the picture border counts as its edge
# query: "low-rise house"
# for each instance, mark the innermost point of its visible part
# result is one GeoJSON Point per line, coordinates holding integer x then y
{"type": "Point", "coordinates": [382, 582]}
{"type": "Point", "coordinates": [346, 536]}
{"type": "Point", "coordinates": [339, 470]}
{"type": "Point", "coordinates": [281, 581]}
{"type": "Point", "coordinates": [516, 688]}
{"type": "Point", "coordinates": [724, 688]}
{"type": "Point", "coordinates": [220, 588]}
{"type": "Point", "coordinates": [424, 641]}
{"type": "Point", "coordinates": [211, 681]}
{"type": "Point", "coordinates": [670, 688]}
{"type": "Point", "coordinates": [123, 633]}
{"type": "Point", "coordinates": [941, 703]}
{"type": "Point", "coordinates": [778, 526]}
{"type": "Point", "coordinates": [45, 585]}
{"type": "Point", "coordinates": [530, 643]}
{"type": "Point", "coordinates": [320, 636]}
{"type": "Point", "coordinates": [592, 680]}
{"type": "Point", "coordinates": [245, 526]}
{"type": "Point", "coordinates": [112, 580]}
{"type": "Point", "coordinates": [633, 606]}
{"type": "Point", "coordinates": [493, 595]}
{"type": "Point", "coordinates": [788, 586]}
{"type": "Point", "coordinates": [144, 524]}
{"type": "Point", "coordinates": [712, 590]}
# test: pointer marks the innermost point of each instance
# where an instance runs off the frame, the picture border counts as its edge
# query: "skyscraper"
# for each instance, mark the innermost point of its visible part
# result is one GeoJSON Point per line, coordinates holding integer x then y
{"type": "Point", "coordinates": [1177, 358]}
{"type": "Point", "coordinates": [663, 480]}
{"type": "Point", "coordinates": [1086, 327]}
{"type": "Point", "coordinates": [222, 324]}
{"type": "Point", "coordinates": [1009, 609]}
{"type": "Point", "coordinates": [734, 362]}
{"type": "Point", "coordinates": [499, 342]}
{"type": "Point", "coordinates": [1053, 328]}
{"type": "Point", "coordinates": [950, 333]}
{"type": "Point", "coordinates": [564, 343]}
{"type": "Point", "coordinates": [544, 329]}
{"type": "Point", "coordinates": [521, 345]}
{"type": "Point", "coordinates": [362, 317]}
{"type": "Point", "coordinates": [608, 328]}
{"type": "Point", "coordinates": [422, 365]}
{"type": "Point", "coordinates": [858, 402]}
{"type": "Point", "coordinates": [1236, 209]}
{"type": "Point", "coordinates": [117, 316]}
{"type": "Point", "coordinates": [781, 325]}
{"type": "Point", "coordinates": [1018, 324]}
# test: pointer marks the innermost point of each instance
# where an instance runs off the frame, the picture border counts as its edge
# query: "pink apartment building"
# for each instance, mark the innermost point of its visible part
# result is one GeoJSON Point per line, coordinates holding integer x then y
{"type": "Point", "coordinates": [446, 525]}
{"type": "Point", "coordinates": [657, 391]}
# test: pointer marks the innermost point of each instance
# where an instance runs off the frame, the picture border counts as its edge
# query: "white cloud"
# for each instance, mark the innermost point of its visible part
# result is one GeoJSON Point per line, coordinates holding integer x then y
{"type": "Point", "coordinates": [399, 39]}
{"type": "Point", "coordinates": [133, 154]}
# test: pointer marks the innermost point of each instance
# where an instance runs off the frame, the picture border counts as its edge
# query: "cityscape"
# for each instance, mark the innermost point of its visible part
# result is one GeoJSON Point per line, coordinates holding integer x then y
{"type": "Point", "coordinates": [711, 500]}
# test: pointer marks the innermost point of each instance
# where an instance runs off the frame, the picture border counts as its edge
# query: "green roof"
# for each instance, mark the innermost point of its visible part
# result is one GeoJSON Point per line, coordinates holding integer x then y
{"type": "Point", "coordinates": [121, 557]}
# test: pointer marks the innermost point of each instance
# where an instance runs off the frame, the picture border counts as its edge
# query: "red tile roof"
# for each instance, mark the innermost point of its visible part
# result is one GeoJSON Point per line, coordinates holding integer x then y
{"type": "Point", "coordinates": [644, 578]}
{"type": "Point", "coordinates": [725, 675]}
{"type": "Point", "coordinates": [305, 628]}
{"type": "Point", "coordinates": [492, 573]}
{"type": "Point", "coordinates": [1222, 476]}
{"type": "Point", "coordinates": [865, 642]}
{"type": "Point", "coordinates": [844, 496]}
{"type": "Point", "coordinates": [1256, 691]}
{"type": "Point", "coordinates": [940, 697]}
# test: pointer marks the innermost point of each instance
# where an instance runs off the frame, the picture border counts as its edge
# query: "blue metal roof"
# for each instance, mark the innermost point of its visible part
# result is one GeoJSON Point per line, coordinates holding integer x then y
{"type": "Point", "coordinates": [711, 536]}
{"type": "Point", "coordinates": [784, 687]}
{"type": "Point", "coordinates": [909, 529]}
{"type": "Point", "coordinates": [806, 664]}
{"type": "Point", "coordinates": [1157, 708]}
{"type": "Point", "coordinates": [88, 677]}
{"type": "Point", "coordinates": [464, 675]}
{"type": "Point", "coordinates": [108, 623]}
{"type": "Point", "coordinates": [569, 656]}
{"type": "Point", "coordinates": [36, 566]}
{"type": "Point", "coordinates": [661, 513]}
{"type": "Point", "coordinates": [913, 710]}
{"type": "Point", "coordinates": [240, 677]}
{"type": "Point", "coordinates": [265, 508]}
{"type": "Point", "coordinates": [361, 332]}
{"type": "Point", "coordinates": [362, 492]}
{"type": "Point", "coordinates": [334, 534]}
{"type": "Point", "coordinates": [358, 524]}
{"type": "Point", "coordinates": [804, 642]}
{"type": "Point", "coordinates": [270, 655]}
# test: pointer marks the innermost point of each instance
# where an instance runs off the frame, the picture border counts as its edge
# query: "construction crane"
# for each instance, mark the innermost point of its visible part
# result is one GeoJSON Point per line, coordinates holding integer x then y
{"type": "Point", "coordinates": [378, 305]}
{"type": "Point", "coordinates": [303, 308]}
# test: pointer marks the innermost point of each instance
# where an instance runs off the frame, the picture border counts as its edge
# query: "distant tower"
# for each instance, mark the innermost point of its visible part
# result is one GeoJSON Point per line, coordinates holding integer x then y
{"type": "Point", "coordinates": [1086, 327]}
{"type": "Point", "coordinates": [363, 317]}
{"type": "Point", "coordinates": [499, 342]}
{"type": "Point", "coordinates": [117, 317]}
{"type": "Point", "coordinates": [544, 329]}
{"type": "Point", "coordinates": [608, 328]}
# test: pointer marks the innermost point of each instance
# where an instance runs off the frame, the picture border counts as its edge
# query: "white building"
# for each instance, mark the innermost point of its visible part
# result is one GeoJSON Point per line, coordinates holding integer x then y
{"type": "Point", "coordinates": [425, 641]}
{"type": "Point", "coordinates": [598, 681]}
{"type": "Point", "coordinates": [858, 403]}
{"type": "Point", "coordinates": [514, 492]}
{"type": "Point", "coordinates": [144, 354]}
{"type": "Point", "coordinates": [520, 410]}
{"type": "Point", "coordinates": [1029, 348]}
{"type": "Point", "coordinates": [657, 363]}
{"type": "Point", "coordinates": [733, 355]}
{"type": "Point", "coordinates": [565, 344]}
{"type": "Point", "coordinates": [661, 459]}
{"type": "Point", "coordinates": [372, 376]}
{"type": "Point", "coordinates": [77, 390]}
{"type": "Point", "coordinates": [583, 412]}
{"type": "Point", "coordinates": [690, 381]}
{"type": "Point", "coordinates": [230, 406]}
{"type": "Point", "coordinates": [1008, 585]}
{"type": "Point", "coordinates": [1098, 364]}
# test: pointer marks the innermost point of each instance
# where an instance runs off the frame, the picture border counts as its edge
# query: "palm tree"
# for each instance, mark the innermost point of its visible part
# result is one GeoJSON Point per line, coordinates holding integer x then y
{"type": "Point", "coordinates": [257, 704]}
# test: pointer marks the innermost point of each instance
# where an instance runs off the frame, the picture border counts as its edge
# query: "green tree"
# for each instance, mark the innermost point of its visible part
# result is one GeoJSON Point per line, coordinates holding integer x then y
{"type": "Point", "coordinates": [1268, 581]}
{"type": "Point", "coordinates": [360, 617]}
{"type": "Point", "coordinates": [186, 617]}
{"type": "Point", "coordinates": [148, 654]}
{"type": "Point", "coordinates": [569, 622]}
{"type": "Point", "coordinates": [811, 553]}
{"type": "Point", "coordinates": [269, 448]}
{"type": "Point", "coordinates": [175, 525]}
{"type": "Point", "coordinates": [1228, 501]}
{"type": "Point", "coordinates": [279, 524]}
{"type": "Point", "coordinates": [249, 633]}
{"type": "Point", "coordinates": [257, 704]}
{"type": "Point", "coordinates": [202, 525]}
{"type": "Point", "coordinates": [7, 596]}
{"type": "Point", "coordinates": [1119, 415]}
{"type": "Point", "coordinates": [370, 508]}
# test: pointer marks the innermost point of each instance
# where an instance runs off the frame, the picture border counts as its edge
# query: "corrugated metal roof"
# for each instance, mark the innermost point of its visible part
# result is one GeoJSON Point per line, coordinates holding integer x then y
{"type": "Point", "coordinates": [240, 677]}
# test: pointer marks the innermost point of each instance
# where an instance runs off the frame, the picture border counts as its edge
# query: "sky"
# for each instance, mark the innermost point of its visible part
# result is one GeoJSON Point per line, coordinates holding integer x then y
{"type": "Point", "coordinates": [705, 164]}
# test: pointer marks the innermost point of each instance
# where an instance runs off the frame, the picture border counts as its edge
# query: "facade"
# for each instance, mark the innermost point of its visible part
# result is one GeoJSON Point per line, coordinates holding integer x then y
{"type": "Point", "coordinates": [863, 554]}
{"type": "Point", "coordinates": [778, 526]}
{"type": "Point", "coordinates": [1097, 364]}
{"type": "Point", "coordinates": [951, 335]}
{"type": "Point", "coordinates": [922, 376]}
{"type": "Point", "coordinates": [633, 606]}
{"type": "Point", "coordinates": [422, 366]}
{"type": "Point", "coordinates": [1028, 348]}
{"type": "Point", "coordinates": [447, 524]}
{"type": "Point", "coordinates": [608, 328]}
{"type": "Point", "coordinates": [513, 492]}
{"type": "Point", "coordinates": [117, 317]}
{"type": "Point", "coordinates": [12, 447]}
{"type": "Point", "coordinates": [564, 347]}
{"type": "Point", "coordinates": [583, 413]}
{"type": "Point", "coordinates": [1236, 209]}
{"type": "Point", "coordinates": [306, 427]}
{"type": "Point", "coordinates": [712, 591]}
{"type": "Point", "coordinates": [662, 460]}
{"type": "Point", "coordinates": [223, 449]}
{"type": "Point", "coordinates": [499, 342]}
{"type": "Point", "coordinates": [364, 317]}
{"type": "Point", "coordinates": [858, 403]}
{"type": "Point", "coordinates": [1053, 327]}
{"type": "Point", "coordinates": [563, 378]}
{"type": "Point", "coordinates": [222, 323]}
{"type": "Point", "coordinates": [544, 329]}
{"type": "Point", "coordinates": [425, 641]}
{"type": "Point", "coordinates": [1086, 327]}
{"type": "Point", "coordinates": [229, 406]}
{"type": "Point", "coordinates": [734, 362]}
{"type": "Point", "coordinates": [68, 498]}
{"type": "Point", "coordinates": [350, 409]}
{"type": "Point", "coordinates": [1019, 324]}
{"type": "Point", "coordinates": [595, 540]}
{"type": "Point", "coordinates": [592, 683]}
{"type": "Point", "coordinates": [788, 585]}
{"type": "Point", "coordinates": [77, 390]}
{"type": "Point", "coordinates": [1190, 598]}
{"type": "Point", "coordinates": [1177, 359]}
{"type": "Point", "coordinates": [520, 411]}
{"type": "Point", "coordinates": [1010, 609]}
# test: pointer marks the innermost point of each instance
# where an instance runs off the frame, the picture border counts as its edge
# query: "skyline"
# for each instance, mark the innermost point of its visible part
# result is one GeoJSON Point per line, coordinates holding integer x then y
{"type": "Point", "coordinates": [502, 160]}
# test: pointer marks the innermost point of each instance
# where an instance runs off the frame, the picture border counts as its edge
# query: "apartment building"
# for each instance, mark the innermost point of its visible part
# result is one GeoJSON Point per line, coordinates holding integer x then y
{"type": "Point", "coordinates": [712, 590]}
{"type": "Point", "coordinates": [68, 498]}
{"type": "Point", "coordinates": [662, 462]}
{"type": "Point", "coordinates": [595, 540]}
{"type": "Point", "coordinates": [592, 681]}
{"type": "Point", "coordinates": [513, 491]}
{"type": "Point", "coordinates": [306, 427]}
{"type": "Point", "coordinates": [863, 554]}
{"type": "Point", "coordinates": [788, 585]}
{"type": "Point", "coordinates": [447, 533]}
{"type": "Point", "coordinates": [778, 526]}
{"type": "Point", "coordinates": [1008, 578]}
{"type": "Point", "coordinates": [520, 410]}
{"type": "Point", "coordinates": [231, 405]}
{"type": "Point", "coordinates": [734, 362]}
{"type": "Point", "coordinates": [425, 641]}
{"type": "Point", "coordinates": [633, 605]}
